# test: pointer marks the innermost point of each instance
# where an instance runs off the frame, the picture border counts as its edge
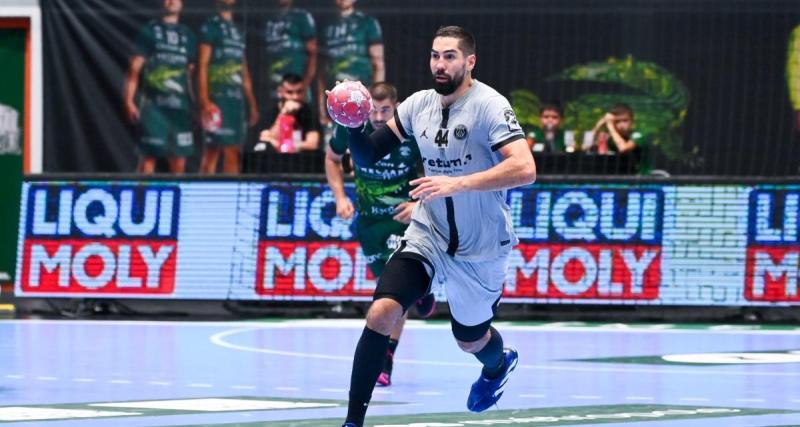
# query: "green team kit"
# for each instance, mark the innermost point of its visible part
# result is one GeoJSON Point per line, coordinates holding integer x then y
{"type": "Point", "coordinates": [225, 78]}
{"type": "Point", "coordinates": [346, 46]}
{"type": "Point", "coordinates": [165, 101]}
{"type": "Point", "coordinates": [381, 187]}
{"type": "Point", "coordinates": [285, 36]}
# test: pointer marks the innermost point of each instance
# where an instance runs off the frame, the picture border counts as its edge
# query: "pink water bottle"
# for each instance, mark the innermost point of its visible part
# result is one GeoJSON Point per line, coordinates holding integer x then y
{"type": "Point", "coordinates": [286, 124]}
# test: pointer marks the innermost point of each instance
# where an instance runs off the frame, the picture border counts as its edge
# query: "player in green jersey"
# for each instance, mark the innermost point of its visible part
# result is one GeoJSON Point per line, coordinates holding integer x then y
{"type": "Point", "coordinates": [384, 207]}
{"type": "Point", "coordinates": [352, 49]}
{"type": "Point", "coordinates": [224, 86]}
{"type": "Point", "coordinates": [163, 61]}
{"type": "Point", "coordinates": [290, 40]}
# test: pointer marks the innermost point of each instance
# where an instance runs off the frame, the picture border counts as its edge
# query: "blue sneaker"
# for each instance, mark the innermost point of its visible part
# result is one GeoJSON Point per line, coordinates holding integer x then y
{"type": "Point", "coordinates": [486, 392]}
{"type": "Point", "coordinates": [348, 425]}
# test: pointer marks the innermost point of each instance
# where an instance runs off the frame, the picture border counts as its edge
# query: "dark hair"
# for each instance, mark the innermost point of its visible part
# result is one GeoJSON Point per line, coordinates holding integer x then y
{"type": "Point", "coordinates": [551, 107]}
{"type": "Point", "coordinates": [291, 78]}
{"type": "Point", "coordinates": [621, 108]}
{"type": "Point", "coordinates": [382, 90]}
{"type": "Point", "coordinates": [466, 41]}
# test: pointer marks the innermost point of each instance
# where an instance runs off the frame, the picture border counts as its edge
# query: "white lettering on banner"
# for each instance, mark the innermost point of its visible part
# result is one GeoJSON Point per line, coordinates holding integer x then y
{"type": "Point", "coordinates": [112, 265]}
{"type": "Point", "coordinates": [764, 266]}
{"type": "Point", "coordinates": [342, 266]}
{"type": "Point", "coordinates": [79, 266]}
{"type": "Point", "coordinates": [157, 213]}
{"type": "Point", "coordinates": [321, 256]}
{"type": "Point", "coordinates": [641, 216]}
{"type": "Point", "coordinates": [41, 259]}
{"type": "Point", "coordinates": [581, 228]}
{"type": "Point", "coordinates": [595, 270]}
{"type": "Point", "coordinates": [302, 212]}
{"type": "Point", "coordinates": [296, 261]}
{"type": "Point", "coordinates": [764, 231]}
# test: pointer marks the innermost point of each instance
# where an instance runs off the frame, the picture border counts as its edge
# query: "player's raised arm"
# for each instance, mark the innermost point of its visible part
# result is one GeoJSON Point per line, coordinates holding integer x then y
{"type": "Point", "coordinates": [349, 104]}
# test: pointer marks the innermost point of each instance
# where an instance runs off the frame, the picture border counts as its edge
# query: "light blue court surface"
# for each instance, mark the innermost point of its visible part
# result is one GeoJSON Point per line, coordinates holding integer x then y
{"type": "Point", "coordinates": [296, 373]}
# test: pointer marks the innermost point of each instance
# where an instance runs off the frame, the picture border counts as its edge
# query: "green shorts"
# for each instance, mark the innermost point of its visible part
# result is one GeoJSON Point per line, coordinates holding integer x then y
{"type": "Point", "coordinates": [234, 127]}
{"type": "Point", "coordinates": [379, 237]}
{"type": "Point", "coordinates": [165, 132]}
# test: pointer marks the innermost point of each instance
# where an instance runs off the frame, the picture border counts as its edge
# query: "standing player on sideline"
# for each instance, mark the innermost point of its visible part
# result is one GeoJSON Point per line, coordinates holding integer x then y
{"type": "Point", "coordinates": [473, 150]}
{"type": "Point", "coordinates": [384, 208]}
{"type": "Point", "coordinates": [164, 59]}
{"type": "Point", "coordinates": [224, 85]}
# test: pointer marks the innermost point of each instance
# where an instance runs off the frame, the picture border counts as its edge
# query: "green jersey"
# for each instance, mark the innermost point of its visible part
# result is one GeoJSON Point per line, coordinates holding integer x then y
{"type": "Point", "coordinates": [345, 45]}
{"type": "Point", "coordinates": [385, 184]}
{"type": "Point", "coordinates": [555, 145]}
{"type": "Point", "coordinates": [285, 36]}
{"type": "Point", "coordinates": [168, 50]}
{"type": "Point", "coordinates": [641, 152]}
{"type": "Point", "coordinates": [227, 56]}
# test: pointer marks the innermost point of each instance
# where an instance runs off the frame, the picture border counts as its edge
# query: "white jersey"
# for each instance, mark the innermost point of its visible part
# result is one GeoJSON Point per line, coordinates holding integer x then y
{"type": "Point", "coordinates": [462, 139]}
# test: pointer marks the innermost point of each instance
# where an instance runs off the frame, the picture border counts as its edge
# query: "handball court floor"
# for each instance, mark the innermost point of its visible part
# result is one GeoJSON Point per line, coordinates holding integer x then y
{"type": "Point", "coordinates": [60, 373]}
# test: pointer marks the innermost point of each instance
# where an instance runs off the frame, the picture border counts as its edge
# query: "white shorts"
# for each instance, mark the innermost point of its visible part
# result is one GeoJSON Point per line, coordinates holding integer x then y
{"type": "Point", "coordinates": [471, 288]}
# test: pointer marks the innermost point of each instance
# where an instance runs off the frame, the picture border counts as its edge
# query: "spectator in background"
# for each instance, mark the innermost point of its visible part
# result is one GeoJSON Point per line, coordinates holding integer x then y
{"type": "Point", "coordinates": [163, 58]}
{"type": "Point", "coordinates": [292, 127]}
{"type": "Point", "coordinates": [290, 41]}
{"type": "Point", "coordinates": [615, 133]}
{"type": "Point", "coordinates": [352, 48]}
{"type": "Point", "coordinates": [550, 137]}
{"type": "Point", "coordinates": [223, 86]}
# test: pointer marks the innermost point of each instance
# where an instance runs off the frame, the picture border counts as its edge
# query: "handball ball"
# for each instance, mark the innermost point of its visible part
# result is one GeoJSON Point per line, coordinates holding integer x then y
{"type": "Point", "coordinates": [213, 121]}
{"type": "Point", "coordinates": [349, 104]}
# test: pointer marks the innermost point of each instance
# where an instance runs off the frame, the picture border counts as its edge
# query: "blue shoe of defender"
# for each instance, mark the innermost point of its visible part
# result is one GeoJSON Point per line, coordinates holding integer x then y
{"type": "Point", "coordinates": [348, 425]}
{"type": "Point", "coordinates": [486, 392]}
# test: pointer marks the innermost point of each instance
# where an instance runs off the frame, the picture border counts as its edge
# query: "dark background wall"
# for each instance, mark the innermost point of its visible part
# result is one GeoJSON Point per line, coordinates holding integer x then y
{"type": "Point", "coordinates": [730, 54]}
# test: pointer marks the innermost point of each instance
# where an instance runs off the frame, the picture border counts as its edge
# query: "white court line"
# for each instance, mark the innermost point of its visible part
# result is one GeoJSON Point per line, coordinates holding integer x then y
{"type": "Point", "coordinates": [288, 388]}
{"type": "Point", "coordinates": [751, 400]}
{"type": "Point", "coordinates": [581, 396]}
{"type": "Point", "coordinates": [120, 381]}
{"type": "Point", "coordinates": [83, 380]}
{"type": "Point", "coordinates": [639, 398]}
{"type": "Point", "coordinates": [47, 378]}
{"type": "Point", "coordinates": [333, 390]}
{"type": "Point", "coordinates": [159, 383]}
{"type": "Point", "coordinates": [15, 376]}
{"type": "Point", "coordinates": [219, 339]}
{"type": "Point", "coordinates": [694, 399]}
{"type": "Point", "coordinates": [243, 387]}
{"type": "Point", "coordinates": [429, 393]}
{"type": "Point", "coordinates": [381, 391]}
{"type": "Point", "coordinates": [201, 385]}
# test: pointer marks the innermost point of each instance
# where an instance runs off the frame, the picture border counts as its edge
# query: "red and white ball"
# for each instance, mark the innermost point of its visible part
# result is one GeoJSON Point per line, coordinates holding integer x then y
{"type": "Point", "coordinates": [349, 104]}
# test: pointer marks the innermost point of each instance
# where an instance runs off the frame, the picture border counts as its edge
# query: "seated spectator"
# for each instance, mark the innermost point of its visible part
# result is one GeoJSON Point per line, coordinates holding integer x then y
{"type": "Point", "coordinates": [291, 125]}
{"type": "Point", "coordinates": [550, 137]}
{"type": "Point", "coordinates": [614, 133]}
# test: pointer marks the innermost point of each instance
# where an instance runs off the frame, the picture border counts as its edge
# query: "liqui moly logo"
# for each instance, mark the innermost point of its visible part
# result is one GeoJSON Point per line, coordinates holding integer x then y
{"type": "Point", "coordinates": [305, 250]}
{"type": "Point", "coordinates": [586, 243]}
{"type": "Point", "coordinates": [112, 239]}
{"type": "Point", "coordinates": [773, 247]}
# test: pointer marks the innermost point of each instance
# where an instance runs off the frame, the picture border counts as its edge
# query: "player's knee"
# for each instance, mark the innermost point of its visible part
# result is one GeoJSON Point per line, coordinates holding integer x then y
{"type": "Point", "coordinates": [473, 346]}
{"type": "Point", "coordinates": [383, 314]}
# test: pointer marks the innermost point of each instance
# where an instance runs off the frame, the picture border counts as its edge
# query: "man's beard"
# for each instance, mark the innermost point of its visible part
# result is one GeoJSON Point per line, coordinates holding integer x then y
{"type": "Point", "coordinates": [450, 86]}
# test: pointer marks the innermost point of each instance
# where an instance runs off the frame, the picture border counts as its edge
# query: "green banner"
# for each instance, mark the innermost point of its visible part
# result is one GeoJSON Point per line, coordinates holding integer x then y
{"type": "Point", "coordinates": [12, 102]}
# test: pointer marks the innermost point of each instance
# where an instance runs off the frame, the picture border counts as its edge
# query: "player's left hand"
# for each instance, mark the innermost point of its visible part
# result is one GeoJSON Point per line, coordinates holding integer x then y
{"type": "Point", "coordinates": [402, 212]}
{"type": "Point", "coordinates": [431, 187]}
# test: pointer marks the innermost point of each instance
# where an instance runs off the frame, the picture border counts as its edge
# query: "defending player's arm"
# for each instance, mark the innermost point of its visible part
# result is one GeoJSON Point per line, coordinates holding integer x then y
{"type": "Point", "coordinates": [368, 149]}
{"type": "Point", "coordinates": [131, 85]}
{"type": "Point", "coordinates": [335, 174]}
{"type": "Point", "coordinates": [517, 168]}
